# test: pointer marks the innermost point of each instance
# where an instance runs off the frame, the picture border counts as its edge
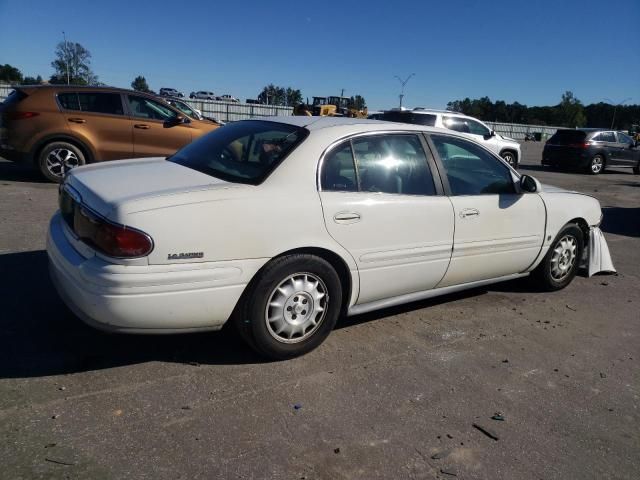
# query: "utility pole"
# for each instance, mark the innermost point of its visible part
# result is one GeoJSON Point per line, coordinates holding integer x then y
{"type": "Point", "coordinates": [403, 83]}
{"type": "Point", "coordinates": [615, 107]}
{"type": "Point", "coordinates": [342, 92]}
{"type": "Point", "coordinates": [66, 55]}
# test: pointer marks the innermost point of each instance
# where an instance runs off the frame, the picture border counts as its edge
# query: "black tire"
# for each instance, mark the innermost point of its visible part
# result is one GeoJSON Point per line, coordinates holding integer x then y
{"type": "Point", "coordinates": [596, 165]}
{"type": "Point", "coordinates": [250, 317]}
{"type": "Point", "coordinates": [510, 158]}
{"type": "Point", "coordinates": [60, 150]}
{"type": "Point", "coordinates": [543, 275]}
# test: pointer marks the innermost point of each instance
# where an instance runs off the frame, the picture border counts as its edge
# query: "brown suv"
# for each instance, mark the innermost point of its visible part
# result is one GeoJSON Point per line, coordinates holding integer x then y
{"type": "Point", "coordinates": [60, 127]}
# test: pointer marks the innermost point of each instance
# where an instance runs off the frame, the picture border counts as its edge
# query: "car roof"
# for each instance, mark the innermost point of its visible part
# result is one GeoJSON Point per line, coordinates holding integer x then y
{"type": "Point", "coordinates": [81, 87]}
{"type": "Point", "coordinates": [318, 123]}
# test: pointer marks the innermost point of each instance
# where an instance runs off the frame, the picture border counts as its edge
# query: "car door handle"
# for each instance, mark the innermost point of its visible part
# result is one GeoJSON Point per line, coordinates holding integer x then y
{"type": "Point", "coordinates": [142, 126]}
{"type": "Point", "coordinates": [77, 120]}
{"type": "Point", "coordinates": [347, 217]}
{"type": "Point", "coordinates": [469, 212]}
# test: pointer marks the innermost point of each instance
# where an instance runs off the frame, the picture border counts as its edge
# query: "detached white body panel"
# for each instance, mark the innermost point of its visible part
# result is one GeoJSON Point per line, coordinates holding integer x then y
{"type": "Point", "coordinates": [212, 237]}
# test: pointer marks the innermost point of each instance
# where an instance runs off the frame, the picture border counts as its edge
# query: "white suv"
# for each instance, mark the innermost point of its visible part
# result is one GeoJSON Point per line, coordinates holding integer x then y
{"type": "Point", "coordinates": [507, 148]}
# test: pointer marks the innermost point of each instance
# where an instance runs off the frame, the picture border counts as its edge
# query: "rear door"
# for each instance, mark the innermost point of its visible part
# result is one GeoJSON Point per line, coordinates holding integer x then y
{"type": "Point", "coordinates": [98, 119]}
{"type": "Point", "coordinates": [155, 127]}
{"type": "Point", "coordinates": [389, 213]}
{"type": "Point", "coordinates": [609, 143]}
{"type": "Point", "coordinates": [498, 231]}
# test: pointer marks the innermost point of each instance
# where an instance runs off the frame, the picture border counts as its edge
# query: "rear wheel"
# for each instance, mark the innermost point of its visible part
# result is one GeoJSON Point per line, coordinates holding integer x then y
{"type": "Point", "coordinates": [560, 264]}
{"type": "Point", "coordinates": [57, 158]}
{"type": "Point", "coordinates": [596, 165]}
{"type": "Point", "coordinates": [291, 307]}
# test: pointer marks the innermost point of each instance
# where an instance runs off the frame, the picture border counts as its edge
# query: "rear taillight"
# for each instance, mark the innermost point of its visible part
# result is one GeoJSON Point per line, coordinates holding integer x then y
{"type": "Point", "coordinates": [579, 145]}
{"type": "Point", "coordinates": [20, 115]}
{"type": "Point", "coordinates": [109, 238]}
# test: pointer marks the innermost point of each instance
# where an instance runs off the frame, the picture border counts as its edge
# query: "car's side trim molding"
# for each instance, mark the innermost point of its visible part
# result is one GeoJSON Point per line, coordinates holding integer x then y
{"type": "Point", "coordinates": [436, 292]}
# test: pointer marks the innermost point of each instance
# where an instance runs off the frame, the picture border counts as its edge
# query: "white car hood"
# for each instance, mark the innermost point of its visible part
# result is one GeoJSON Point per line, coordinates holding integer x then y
{"type": "Point", "coordinates": [105, 186]}
{"type": "Point", "coordinates": [553, 189]}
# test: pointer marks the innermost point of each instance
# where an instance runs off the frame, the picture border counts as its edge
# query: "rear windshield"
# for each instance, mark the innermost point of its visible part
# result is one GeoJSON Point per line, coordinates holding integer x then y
{"type": "Point", "coordinates": [409, 117]}
{"type": "Point", "coordinates": [244, 152]}
{"type": "Point", "coordinates": [567, 137]}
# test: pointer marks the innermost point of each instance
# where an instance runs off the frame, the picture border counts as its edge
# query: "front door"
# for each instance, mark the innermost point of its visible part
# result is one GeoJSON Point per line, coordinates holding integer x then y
{"type": "Point", "coordinates": [381, 203]}
{"type": "Point", "coordinates": [498, 231]}
{"type": "Point", "coordinates": [156, 131]}
{"type": "Point", "coordinates": [628, 154]}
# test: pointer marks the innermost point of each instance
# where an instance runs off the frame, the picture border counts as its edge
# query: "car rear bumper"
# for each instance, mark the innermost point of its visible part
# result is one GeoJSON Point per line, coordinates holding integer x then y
{"type": "Point", "coordinates": [171, 298]}
{"type": "Point", "coordinates": [566, 158]}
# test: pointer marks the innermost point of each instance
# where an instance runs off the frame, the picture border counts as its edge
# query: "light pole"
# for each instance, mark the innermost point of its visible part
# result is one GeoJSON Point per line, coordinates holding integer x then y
{"type": "Point", "coordinates": [66, 55]}
{"type": "Point", "coordinates": [403, 83]}
{"type": "Point", "coordinates": [615, 107]}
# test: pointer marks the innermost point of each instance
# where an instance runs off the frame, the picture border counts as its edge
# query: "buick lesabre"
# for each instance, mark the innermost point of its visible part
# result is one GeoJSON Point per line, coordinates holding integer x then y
{"type": "Point", "coordinates": [282, 225]}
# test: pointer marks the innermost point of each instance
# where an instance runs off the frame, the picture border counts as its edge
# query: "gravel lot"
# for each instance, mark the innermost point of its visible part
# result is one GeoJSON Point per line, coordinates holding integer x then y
{"type": "Point", "coordinates": [394, 394]}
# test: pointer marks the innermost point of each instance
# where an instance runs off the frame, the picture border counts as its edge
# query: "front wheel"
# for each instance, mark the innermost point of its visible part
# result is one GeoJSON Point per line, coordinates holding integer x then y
{"type": "Point", "coordinates": [291, 307]}
{"type": "Point", "coordinates": [510, 158]}
{"type": "Point", "coordinates": [560, 264]}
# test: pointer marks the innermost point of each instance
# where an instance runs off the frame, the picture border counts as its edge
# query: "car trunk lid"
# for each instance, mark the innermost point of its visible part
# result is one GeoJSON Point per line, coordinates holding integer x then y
{"type": "Point", "coordinates": [106, 187]}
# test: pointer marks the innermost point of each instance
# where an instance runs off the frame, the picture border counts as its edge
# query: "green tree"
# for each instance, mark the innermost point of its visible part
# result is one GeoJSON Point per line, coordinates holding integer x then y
{"type": "Point", "coordinates": [10, 74]}
{"type": "Point", "coordinates": [293, 97]}
{"type": "Point", "coordinates": [571, 111]}
{"type": "Point", "coordinates": [72, 63]}
{"type": "Point", "coordinates": [358, 102]}
{"type": "Point", "coordinates": [140, 84]}
{"type": "Point", "coordinates": [32, 80]}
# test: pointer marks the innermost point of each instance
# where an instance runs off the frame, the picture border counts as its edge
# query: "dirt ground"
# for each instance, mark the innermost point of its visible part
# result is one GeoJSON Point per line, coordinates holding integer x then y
{"type": "Point", "coordinates": [393, 394]}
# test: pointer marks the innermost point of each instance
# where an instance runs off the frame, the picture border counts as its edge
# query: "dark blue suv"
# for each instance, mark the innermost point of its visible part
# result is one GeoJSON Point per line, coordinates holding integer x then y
{"type": "Point", "coordinates": [592, 150]}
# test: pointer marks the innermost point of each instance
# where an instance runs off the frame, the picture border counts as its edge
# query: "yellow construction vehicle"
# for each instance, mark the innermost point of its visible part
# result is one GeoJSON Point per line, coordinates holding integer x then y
{"type": "Point", "coordinates": [329, 107]}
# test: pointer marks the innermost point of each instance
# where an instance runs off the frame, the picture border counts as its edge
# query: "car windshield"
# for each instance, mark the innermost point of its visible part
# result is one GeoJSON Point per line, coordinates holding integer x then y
{"type": "Point", "coordinates": [243, 152]}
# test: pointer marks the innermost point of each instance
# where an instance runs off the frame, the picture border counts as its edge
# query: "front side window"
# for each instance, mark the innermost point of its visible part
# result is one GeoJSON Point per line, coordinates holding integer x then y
{"type": "Point", "coordinates": [244, 152]}
{"type": "Point", "coordinates": [624, 138]}
{"type": "Point", "coordinates": [470, 169]}
{"type": "Point", "coordinates": [142, 107]}
{"type": "Point", "coordinates": [477, 128]}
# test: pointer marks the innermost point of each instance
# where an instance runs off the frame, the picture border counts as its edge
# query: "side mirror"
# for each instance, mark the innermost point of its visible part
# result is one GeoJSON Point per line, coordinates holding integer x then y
{"type": "Point", "coordinates": [529, 184]}
{"type": "Point", "coordinates": [492, 133]}
{"type": "Point", "coordinates": [177, 120]}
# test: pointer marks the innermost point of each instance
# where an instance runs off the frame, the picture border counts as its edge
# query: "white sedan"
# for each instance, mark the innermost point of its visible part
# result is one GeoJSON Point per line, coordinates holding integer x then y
{"type": "Point", "coordinates": [282, 225]}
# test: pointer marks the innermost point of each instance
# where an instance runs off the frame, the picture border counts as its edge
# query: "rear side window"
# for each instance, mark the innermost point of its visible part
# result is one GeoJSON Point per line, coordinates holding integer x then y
{"type": "Point", "coordinates": [339, 171]}
{"type": "Point", "coordinates": [94, 102]}
{"type": "Point", "coordinates": [409, 117]}
{"type": "Point", "coordinates": [395, 164]}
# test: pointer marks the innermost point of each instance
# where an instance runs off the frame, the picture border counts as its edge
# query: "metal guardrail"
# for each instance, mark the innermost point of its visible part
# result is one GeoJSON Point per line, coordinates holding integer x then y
{"type": "Point", "coordinates": [231, 112]}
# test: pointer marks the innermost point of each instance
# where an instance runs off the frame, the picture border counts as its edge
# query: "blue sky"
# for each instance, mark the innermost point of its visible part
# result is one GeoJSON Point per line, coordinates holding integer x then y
{"type": "Point", "coordinates": [529, 51]}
